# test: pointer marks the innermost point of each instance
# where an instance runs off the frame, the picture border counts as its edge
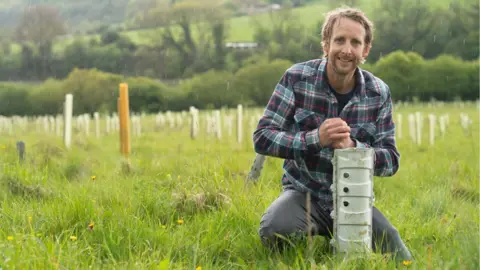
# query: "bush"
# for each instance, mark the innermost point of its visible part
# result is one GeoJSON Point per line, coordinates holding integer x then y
{"type": "Point", "coordinates": [408, 75]}
{"type": "Point", "coordinates": [146, 95]}
{"type": "Point", "coordinates": [92, 90]}
{"type": "Point", "coordinates": [13, 99]}
{"type": "Point", "coordinates": [47, 98]}
{"type": "Point", "coordinates": [211, 89]}
{"type": "Point", "coordinates": [447, 77]}
{"type": "Point", "coordinates": [403, 73]}
{"type": "Point", "coordinates": [99, 91]}
{"type": "Point", "coordinates": [444, 78]}
{"type": "Point", "coordinates": [258, 81]}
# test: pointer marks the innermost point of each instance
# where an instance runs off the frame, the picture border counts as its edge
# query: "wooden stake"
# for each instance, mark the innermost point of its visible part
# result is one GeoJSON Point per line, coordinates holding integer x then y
{"type": "Point", "coordinates": [124, 112]}
{"type": "Point", "coordinates": [429, 259]}
{"type": "Point", "coordinates": [119, 108]}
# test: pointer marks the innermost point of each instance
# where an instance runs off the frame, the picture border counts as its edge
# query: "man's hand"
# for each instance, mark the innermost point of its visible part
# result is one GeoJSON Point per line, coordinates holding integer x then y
{"type": "Point", "coordinates": [345, 143]}
{"type": "Point", "coordinates": [334, 131]}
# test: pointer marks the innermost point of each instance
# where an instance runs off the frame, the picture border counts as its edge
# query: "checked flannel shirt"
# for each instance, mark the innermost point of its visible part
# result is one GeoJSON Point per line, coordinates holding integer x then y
{"type": "Point", "coordinates": [300, 102]}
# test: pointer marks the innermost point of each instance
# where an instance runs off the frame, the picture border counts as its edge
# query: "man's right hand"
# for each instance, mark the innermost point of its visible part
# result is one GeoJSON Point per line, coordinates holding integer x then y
{"type": "Point", "coordinates": [333, 129]}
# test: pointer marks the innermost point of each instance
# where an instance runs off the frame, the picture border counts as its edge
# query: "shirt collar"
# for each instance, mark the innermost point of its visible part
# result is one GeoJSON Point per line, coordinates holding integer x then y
{"type": "Point", "coordinates": [360, 92]}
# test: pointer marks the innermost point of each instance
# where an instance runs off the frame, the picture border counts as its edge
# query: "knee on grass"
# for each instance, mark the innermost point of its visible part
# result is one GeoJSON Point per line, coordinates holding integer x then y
{"type": "Point", "coordinates": [274, 237]}
{"type": "Point", "coordinates": [386, 240]}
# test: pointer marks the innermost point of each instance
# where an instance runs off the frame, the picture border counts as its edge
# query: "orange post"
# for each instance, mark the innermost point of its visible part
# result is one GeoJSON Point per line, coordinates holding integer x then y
{"type": "Point", "coordinates": [119, 111]}
{"type": "Point", "coordinates": [124, 113]}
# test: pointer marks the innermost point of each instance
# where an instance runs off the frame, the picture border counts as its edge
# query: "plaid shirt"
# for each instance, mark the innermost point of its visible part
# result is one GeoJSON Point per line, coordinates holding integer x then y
{"type": "Point", "coordinates": [298, 106]}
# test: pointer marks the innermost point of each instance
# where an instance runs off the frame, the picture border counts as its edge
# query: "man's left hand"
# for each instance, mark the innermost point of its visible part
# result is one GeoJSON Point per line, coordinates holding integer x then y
{"type": "Point", "coordinates": [345, 143]}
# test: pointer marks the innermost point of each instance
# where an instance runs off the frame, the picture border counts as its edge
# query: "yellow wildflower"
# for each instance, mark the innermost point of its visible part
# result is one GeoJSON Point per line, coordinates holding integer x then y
{"type": "Point", "coordinates": [73, 238]}
{"type": "Point", "coordinates": [407, 263]}
{"type": "Point", "coordinates": [4, 147]}
{"type": "Point", "coordinates": [444, 219]}
{"type": "Point", "coordinates": [179, 177]}
{"type": "Point", "coordinates": [180, 221]}
{"type": "Point", "coordinates": [90, 225]}
{"type": "Point", "coordinates": [94, 177]}
{"type": "Point", "coordinates": [9, 238]}
{"type": "Point", "coordinates": [198, 268]}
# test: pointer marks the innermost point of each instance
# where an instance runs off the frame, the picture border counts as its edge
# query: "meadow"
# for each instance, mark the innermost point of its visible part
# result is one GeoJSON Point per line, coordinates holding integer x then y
{"type": "Point", "coordinates": [186, 204]}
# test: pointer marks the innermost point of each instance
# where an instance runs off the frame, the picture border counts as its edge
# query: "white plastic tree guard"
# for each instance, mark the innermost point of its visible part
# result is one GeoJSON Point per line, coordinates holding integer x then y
{"type": "Point", "coordinates": [68, 111]}
{"type": "Point", "coordinates": [257, 167]}
{"type": "Point", "coordinates": [353, 199]}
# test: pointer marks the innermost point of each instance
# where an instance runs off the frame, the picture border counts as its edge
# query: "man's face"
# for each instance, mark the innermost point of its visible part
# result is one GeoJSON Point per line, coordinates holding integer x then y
{"type": "Point", "coordinates": [346, 47]}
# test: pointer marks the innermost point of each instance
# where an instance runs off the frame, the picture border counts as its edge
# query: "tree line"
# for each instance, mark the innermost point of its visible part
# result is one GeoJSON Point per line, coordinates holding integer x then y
{"type": "Point", "coordinates": [194, 33]}
{"type": "Point", "coordinates": [409, 76]}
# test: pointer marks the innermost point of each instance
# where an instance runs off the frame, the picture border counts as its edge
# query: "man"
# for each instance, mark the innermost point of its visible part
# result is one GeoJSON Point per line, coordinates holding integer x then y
{"type": "Point", "coordinates": [322, 105]}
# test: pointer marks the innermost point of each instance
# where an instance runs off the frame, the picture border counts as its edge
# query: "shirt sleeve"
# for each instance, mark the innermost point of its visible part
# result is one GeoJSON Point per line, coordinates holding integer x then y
{"type": "Point", "coordinates": [387, 156]}
{"type": "Point", "coordinates": [274, 136]}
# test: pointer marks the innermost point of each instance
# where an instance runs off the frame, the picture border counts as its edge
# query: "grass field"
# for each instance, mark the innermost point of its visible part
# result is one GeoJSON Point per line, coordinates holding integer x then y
{"type": "Point", "coordinates": [185, 204]}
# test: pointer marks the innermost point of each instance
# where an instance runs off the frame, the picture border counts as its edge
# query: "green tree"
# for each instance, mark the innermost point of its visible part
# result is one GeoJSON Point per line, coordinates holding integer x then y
{"type": "Point", "coordinates": [284, 38]}
{"type": "Point", "coordinates": [194, 31]}
{"type": "Point", "coordinates": [402, 25]}
{"type": "Point", "coordinates": [39, 25]}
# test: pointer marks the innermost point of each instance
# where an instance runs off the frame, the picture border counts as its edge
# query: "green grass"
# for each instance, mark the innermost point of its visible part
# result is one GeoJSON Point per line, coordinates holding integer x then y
{"type": "Point", "coordinates": [51, 196]}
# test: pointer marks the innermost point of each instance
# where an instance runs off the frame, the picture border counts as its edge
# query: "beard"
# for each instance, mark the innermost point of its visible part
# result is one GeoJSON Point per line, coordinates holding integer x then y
{"type": "Point", "coordinates": [344, 66]}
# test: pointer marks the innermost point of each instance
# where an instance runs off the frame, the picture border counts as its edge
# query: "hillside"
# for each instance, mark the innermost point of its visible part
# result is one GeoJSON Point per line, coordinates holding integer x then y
{"type": "Point", "coordinates": [79, 14]}
{"type": "Point", "coordinates": [87, 15]}
{"type": "Point", "coordinates": [242, 30]}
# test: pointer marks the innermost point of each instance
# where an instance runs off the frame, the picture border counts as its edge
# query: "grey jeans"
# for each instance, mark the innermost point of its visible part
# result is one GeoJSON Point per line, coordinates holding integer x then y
{"type": "Point", "coordinates": [286, 216]}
